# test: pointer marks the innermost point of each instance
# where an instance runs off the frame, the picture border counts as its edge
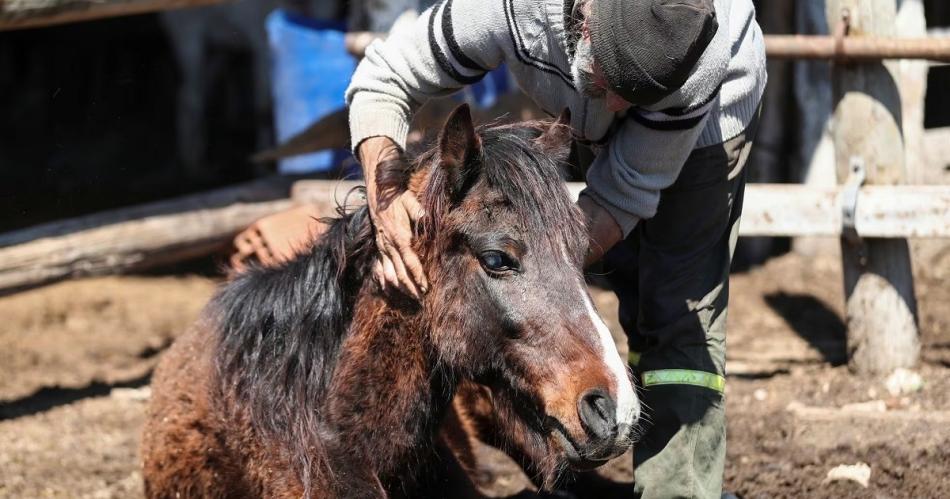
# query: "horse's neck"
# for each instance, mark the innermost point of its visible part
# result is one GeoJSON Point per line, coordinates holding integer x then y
{"type": "Point", "coordinates": [385, 399]}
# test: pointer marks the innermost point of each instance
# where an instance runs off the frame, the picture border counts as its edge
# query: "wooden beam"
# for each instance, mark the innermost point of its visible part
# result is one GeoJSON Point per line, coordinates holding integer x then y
{"type": "Point", "coordinates": [780, 209]}
{"type": "Point", "coordinates": [856, 49]}
{"type": "Point", "coordinates": [20, 14]}
{"type": "Point", "coordinates": [881, 309]}
{"type": "Point", "coordinates": [332, 131]}
{"type": "Point", "coordinates": [328, 193]}
{"type": "Point", "coordinates": [882, 211]}
{"type": "Point", "coordinates": [139, 237]}
{"type": "Point", "coordinates": [136, 238]}
{"type": "Point", "coordinates": [329, 132]}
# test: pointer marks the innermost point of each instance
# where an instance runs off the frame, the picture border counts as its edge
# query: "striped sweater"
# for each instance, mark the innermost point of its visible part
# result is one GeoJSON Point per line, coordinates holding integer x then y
{"type": "Point", "coordinates": [640, 151]}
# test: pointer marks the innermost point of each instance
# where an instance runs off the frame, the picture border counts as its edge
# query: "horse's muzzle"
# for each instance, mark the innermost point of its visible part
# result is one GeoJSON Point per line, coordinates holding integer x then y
{"type": "Point", "coordinates": [604, 437]}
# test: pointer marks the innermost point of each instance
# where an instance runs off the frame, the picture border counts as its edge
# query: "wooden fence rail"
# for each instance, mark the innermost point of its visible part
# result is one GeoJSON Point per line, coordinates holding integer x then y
{"type": "Point", "coordinates": [919, 211]}
{"type": "Point", "coordinates": [135, 238]}
{"type": "Point", "coordinates": [20, 14]}
{"type": "Point", "coordinates": [140, 237]}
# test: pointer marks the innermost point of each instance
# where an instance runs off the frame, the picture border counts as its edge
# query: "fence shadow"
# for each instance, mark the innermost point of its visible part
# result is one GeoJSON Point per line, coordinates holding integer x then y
{"type": "Point", "coordinates": [814, 322]}
{"type": "Point", "coordinates": [50, 397]}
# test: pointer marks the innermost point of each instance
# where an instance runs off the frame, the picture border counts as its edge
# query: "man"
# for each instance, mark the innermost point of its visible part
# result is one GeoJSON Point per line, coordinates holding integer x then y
{"type": "Point", "coordinates": [666, 93]}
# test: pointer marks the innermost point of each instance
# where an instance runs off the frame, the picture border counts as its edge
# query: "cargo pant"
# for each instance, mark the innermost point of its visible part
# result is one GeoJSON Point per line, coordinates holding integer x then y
{"type": "Point", "coordinates": [671, 276]}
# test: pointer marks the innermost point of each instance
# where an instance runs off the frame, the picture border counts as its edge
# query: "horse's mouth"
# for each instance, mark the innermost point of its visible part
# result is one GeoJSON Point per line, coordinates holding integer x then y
{"type": "Point", "coordinates": [578, 459]}
{"type": "Point", "coordinates": [575, 456]}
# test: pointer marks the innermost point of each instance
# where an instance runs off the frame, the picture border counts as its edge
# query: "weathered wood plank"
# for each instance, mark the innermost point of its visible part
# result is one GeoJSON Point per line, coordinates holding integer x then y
{"type": "Point", "coordinates": [882, 211]}
{"type": "Point", "coordinates": [829, 427]}
{"type": "Point", "coordinates": [20, 14]}
{"type": "Point", "coordinates": [787, 209]}
{"type": "Point", "coordinates": [144, 236]}
{"type": "Point", "coordinates": [135, 238]}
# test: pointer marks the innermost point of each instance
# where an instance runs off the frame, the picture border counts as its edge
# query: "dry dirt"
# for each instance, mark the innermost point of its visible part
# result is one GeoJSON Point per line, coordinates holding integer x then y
{"type": "Point", "coordinates": [75, 359]}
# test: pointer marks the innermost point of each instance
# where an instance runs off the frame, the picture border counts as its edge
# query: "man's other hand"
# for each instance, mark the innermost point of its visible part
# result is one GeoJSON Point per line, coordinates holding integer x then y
{"type": "Point", "coordinates": [603, 231]}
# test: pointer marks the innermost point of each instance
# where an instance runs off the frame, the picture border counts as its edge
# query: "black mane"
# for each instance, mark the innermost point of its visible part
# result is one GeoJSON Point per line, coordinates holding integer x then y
{"type": "Point", "coordinates": [280, 329]}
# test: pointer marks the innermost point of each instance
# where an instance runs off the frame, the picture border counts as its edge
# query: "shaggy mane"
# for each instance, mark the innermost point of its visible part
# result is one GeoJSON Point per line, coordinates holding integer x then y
{"type": "Point", "coordinates": [280, 330]}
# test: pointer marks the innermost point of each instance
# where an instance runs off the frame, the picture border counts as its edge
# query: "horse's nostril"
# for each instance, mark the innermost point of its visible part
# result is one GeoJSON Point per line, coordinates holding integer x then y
{"type": "Point", "coordinates": [598, 414]}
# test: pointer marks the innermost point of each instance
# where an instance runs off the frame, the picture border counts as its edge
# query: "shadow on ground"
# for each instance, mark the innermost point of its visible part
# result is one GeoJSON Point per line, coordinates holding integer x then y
{"type": "Point", "coordinates": [50, 397]}
{"type": "Point", "coordinates": [814, 322]}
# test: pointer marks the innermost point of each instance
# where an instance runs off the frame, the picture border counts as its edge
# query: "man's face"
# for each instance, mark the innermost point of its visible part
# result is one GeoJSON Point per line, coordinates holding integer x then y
{"type": "Point", "coordinates": [587, 73]}
{"type": "Point", "coordinates": [615, 103]}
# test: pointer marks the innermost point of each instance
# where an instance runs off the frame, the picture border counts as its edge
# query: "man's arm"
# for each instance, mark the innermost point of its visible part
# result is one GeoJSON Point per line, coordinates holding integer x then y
{"type": "Point", "coordinates": [398, 265]}
{"type": "Point", "coordinates": [451, 45]}
{"type": "Point", "coordinates": [602, 230]}
{"type": "Point", "coordinates": [627, 176]}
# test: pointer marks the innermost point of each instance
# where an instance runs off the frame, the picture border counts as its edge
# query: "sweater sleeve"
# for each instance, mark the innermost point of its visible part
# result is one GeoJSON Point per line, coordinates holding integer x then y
{"type": "Point", "coordinates": [648, 151]}
{"type": "Point", "coordinates": [452, 44]}
{"type": "Point", "coordinates": [639, 161]}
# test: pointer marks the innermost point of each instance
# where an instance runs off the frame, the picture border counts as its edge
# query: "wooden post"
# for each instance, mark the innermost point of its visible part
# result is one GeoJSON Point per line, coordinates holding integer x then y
{"type": "Point", "coordinates": [881, 306]}
{"type": "Point", "coordinates": [769, 152]}
{"type": "Point", "coordinates": [814, 158]}
{"type": "Point", "coordinates": [912, 81]}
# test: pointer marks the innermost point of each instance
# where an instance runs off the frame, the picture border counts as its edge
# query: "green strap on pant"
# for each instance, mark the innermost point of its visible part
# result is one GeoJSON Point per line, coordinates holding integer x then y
{"type": "Point", "coordinates": [684, 377]}
{"type": "Point", "coordinates": [678, 376]}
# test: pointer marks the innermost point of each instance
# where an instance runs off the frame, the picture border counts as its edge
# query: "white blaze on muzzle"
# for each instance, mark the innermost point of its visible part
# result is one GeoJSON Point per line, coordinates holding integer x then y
{"type": "Point", "coordinates": [628, 407]}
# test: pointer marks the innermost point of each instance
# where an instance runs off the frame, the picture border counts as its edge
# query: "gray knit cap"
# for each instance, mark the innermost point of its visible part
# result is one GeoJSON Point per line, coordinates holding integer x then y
{"type": "Point", "coordinates": [647, 48]}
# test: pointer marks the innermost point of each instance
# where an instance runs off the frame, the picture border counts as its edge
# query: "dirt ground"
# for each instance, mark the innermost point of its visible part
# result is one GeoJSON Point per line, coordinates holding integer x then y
{"type": "Point", "coordinates": [75, 360]}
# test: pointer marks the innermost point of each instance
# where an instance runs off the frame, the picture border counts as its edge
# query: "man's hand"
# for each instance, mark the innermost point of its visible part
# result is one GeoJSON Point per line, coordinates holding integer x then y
{"type": "Point", "coordinates": [603, 230]}
{"type": "Point", "coordinates": [398, 265]}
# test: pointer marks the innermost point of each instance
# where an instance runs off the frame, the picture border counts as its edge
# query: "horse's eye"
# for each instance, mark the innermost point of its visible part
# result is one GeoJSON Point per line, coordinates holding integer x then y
{"type": "Point", "coordinates": [498, 261]}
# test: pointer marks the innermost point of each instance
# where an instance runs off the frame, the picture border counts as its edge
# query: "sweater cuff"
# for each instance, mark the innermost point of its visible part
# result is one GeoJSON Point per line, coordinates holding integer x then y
{"type": "Point", "coordinates": [626, 221]}
{"type": "Point", "coordinates": [373, 120]}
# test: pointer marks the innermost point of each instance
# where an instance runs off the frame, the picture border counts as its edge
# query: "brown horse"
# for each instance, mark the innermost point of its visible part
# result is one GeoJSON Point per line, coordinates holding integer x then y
{"type": "Point", "coordinates": [304, 380]}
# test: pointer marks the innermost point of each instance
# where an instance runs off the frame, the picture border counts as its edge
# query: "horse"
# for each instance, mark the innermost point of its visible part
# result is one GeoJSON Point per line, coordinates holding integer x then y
{"type": "Point", "coordinates": [306, 380]}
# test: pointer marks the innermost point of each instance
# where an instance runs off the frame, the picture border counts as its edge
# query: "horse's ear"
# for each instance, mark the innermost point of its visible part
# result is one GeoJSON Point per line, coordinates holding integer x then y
{"type": "Point", "coordinates": [556, 140]}
{"type": "Point", "coordinates": [459, 147]}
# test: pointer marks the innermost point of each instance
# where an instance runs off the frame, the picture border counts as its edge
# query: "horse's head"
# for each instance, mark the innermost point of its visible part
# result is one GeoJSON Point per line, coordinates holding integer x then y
{"type": "Point", "coordinates": [504, 245]}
